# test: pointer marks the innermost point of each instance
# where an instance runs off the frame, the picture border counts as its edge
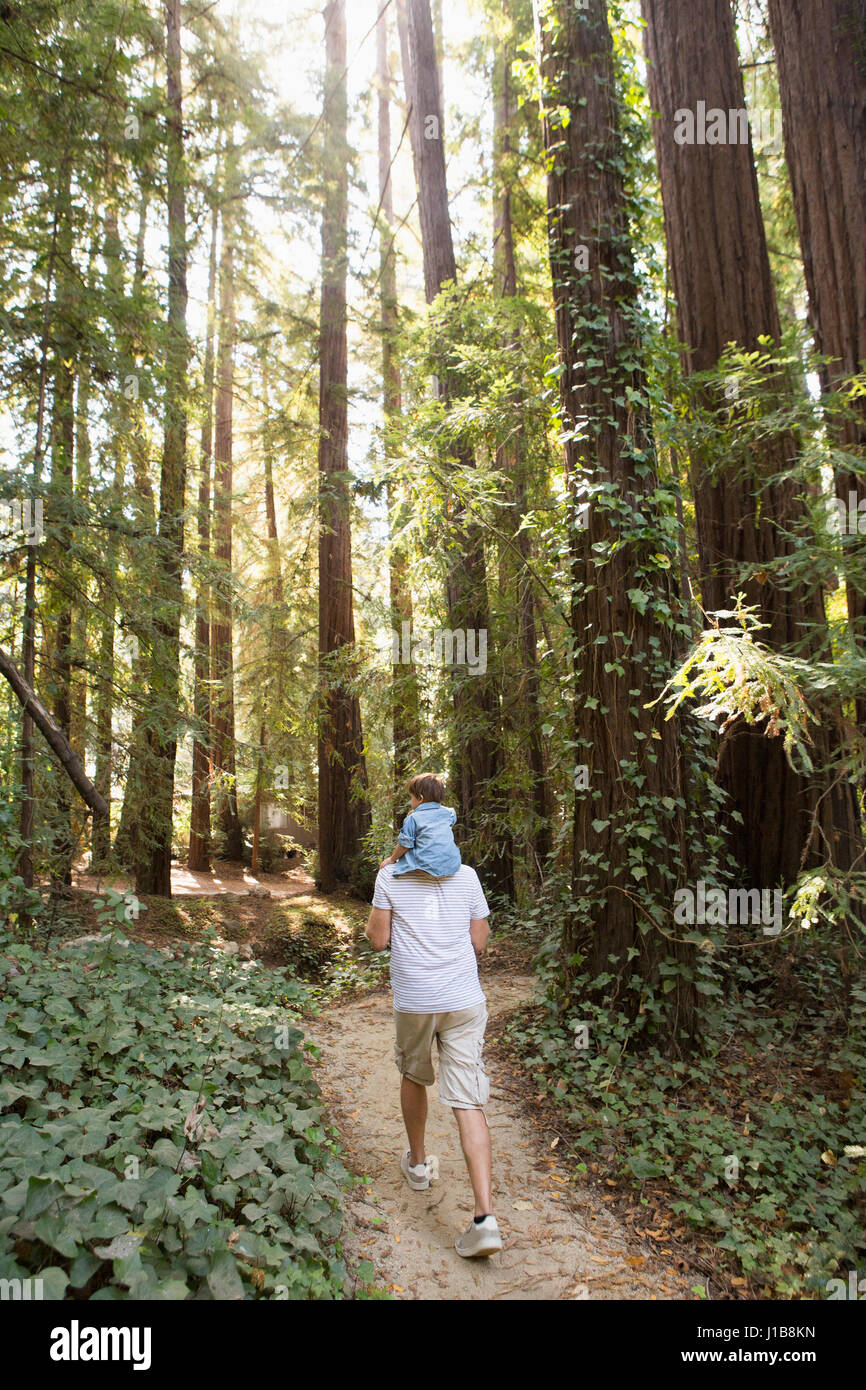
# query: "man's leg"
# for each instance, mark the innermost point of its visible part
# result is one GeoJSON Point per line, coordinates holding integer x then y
{"type": "Point", "coordinates": [413, 1102]}
{"type": "Point", "coordinates": [413, 1037]}
{"type": "Point", "coordinates": [463, 1084]}
{"type": "Point", "coordinates": [475, 1142]}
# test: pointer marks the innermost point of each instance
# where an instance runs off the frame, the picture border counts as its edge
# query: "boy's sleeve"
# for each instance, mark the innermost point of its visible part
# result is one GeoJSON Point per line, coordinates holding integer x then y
{"type": "Point", "coordinates": [452, 815]}
{"type": "Point", "coordinates": [380, 892]}
{"type": "Point", "coordinates": [406, 838]}
{"type": "Point", "coordinates": [477, 901]}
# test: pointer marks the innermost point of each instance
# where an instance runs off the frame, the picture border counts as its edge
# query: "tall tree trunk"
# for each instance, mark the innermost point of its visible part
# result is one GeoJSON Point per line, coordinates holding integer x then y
{"type": "Point", "coordinates": [62, 456]}
{"type": "Point", "coordinates": [633, 759]}
{"type": "Point", "coordinates": [405, 709]}
{"type": "Point", "coordinates": [153, 858]}
{"type": "Point", "coordinates": [78, 726]}
{"type": "Point", "coordinates": [78, 692]}
{"type": "Point", "coordinates": [475, 697]}
{"type": "Point", "coordinates": [106, 598]}
{"type": "Point", "coordinates": [224, 755]}
{"type": "Point", "coordinates": [406, 64]}
{"type": "Point", "coordinates": [78, 638]}
{"type": "Point", "coordinates": [144, 502]}
{"type": "Point", "coordinates": [28, 634]}
{"type": "Point", "coordinates": [821, 59]}
{"type": "Point", "coordinates": [344, 813]}
{"type": "Point", "coordinates": [277, 630]}
{"type": "Point", "coordinates": [439, 40]}
{"type": "Point", "coordinates": [199, 826]}
{"type": "Point", "coordinates": [510, 460]}
{"type": "Point", "coordinates": [104, 712]}
{"type": "Point", "coordinates": [721, 278]}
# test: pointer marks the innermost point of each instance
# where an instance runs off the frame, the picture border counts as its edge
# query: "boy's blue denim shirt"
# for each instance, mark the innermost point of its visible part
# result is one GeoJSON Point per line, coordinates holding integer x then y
{"type": "Point", "coordinates": [428, 841]}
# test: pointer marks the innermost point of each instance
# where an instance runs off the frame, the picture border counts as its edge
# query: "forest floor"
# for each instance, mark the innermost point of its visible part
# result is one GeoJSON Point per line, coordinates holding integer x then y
{"type": "Point", "coordinates": [559, 1240]}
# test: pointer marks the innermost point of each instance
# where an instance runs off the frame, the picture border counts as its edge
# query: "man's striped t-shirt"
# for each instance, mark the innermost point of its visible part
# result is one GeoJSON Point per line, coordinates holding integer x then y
{"type": "Point", "coordinates": [433, 965]}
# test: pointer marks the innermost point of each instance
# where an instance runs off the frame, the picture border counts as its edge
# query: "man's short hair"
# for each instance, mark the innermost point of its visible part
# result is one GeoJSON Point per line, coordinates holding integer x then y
{"type": "Point", "coordinates": [427, 787]}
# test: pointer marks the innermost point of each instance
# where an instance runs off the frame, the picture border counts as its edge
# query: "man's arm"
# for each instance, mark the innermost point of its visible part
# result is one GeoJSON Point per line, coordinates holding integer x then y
{"type": "Point", "coordinates": [479, 930]}
{"type": "Point", "coordinates": [378, 928]}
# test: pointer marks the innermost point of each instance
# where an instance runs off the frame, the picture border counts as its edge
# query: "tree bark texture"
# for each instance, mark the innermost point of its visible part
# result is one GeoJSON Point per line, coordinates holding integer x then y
{"type": "Point", "coordinates": [720, 272]}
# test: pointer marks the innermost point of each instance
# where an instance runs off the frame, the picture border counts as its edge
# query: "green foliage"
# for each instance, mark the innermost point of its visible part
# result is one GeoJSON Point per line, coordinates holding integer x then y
{"type": "Point", "coordinates": [739, 677]}
{"type": "Point", "coordinates": [161, 1133]}
{"type": "Point", "coordinates": [13, 895]}
{"type": "Point", "coordinates": [757, 1143]}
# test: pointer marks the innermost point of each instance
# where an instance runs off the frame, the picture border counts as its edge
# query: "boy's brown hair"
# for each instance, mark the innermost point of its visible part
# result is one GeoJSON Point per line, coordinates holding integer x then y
{"type": "Point", "coordinates": [427, 787]}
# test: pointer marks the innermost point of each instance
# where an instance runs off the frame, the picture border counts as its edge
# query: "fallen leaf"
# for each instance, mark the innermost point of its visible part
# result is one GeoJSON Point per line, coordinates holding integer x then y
{"type": "Point", "coordinates": [121, 1248]}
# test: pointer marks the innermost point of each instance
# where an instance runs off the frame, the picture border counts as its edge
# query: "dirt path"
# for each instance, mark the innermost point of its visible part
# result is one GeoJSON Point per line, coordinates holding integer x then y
{"type": "Point", "coordinates": [559, 1241]}
{"type": "Point", "coordinates": [225, 879]}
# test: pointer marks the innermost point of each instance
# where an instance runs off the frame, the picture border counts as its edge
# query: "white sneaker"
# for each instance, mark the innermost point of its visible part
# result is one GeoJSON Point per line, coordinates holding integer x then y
{"type": "Point", "coordinates": [481, 1238]}
{"type": "Point", "coordinates": [418, 1175]}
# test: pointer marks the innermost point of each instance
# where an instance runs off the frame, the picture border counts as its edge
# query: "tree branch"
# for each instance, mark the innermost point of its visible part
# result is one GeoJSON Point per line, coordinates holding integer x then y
{"type": "Point", "coordinates": [55, 736]}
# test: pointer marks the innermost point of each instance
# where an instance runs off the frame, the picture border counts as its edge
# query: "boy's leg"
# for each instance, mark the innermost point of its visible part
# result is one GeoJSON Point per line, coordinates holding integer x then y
{"type": "Point", "coordinates": [475, 1142]}
{"type": "Point", "coordinates": [413, 1103]}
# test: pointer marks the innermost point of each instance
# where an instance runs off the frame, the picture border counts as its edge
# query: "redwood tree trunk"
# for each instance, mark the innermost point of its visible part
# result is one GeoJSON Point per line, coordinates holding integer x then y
{"type": "Point", "coordinates": [28, 633]}
{"type": "Point", "coordinates": [624, 859]}
{"type": "Point", "coordinates": [153, 849]}
{"type": "Point", "coordinates": [199, 825]}
{"type": "Point", "coordinates": [276, 637]}
{"type": "Point", "coordinates": [722, 284]}
{"type": "Point", "coordinates": [126, 839]}
{"type": "Point", "coordinates": [821, 59]}
{"type": "Point", "coordinates": [62, 455]}
{"type": "Point", "coordinates": [475, 697]}
{"type": "Point", "coordinates": [106, 604]}
{"type": "Point", "coordinates": [103, 720]}
{"type": "Point", "coordinates": [344, 813]}
{"type": "Point", "coordinates": [405, 711]}
{"type": "Point", "coordinates": [525, 701]}
{"type": "Point", "coordinates": [80, 617]}
{"type": "Point", "coordinates": [63, 448]}
{"type": "Point", "coordinates": [223, 607]}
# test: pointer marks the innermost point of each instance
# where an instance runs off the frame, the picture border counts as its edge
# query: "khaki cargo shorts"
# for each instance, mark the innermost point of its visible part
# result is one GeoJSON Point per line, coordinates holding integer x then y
{"type": "Point", "coordinates": [463, 1082]}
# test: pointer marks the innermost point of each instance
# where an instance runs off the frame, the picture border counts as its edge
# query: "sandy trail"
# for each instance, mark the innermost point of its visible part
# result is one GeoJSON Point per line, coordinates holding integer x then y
{"type": "Point", "coordinates": [559, 1241]}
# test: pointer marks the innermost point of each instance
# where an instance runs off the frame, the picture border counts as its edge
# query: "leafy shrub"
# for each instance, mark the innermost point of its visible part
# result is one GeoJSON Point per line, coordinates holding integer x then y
{"type": "Point", "coordinates": [758, 1144]}
{"type": "Point", "coordinates": [14, 896]}
{"type": "Point", "coordinates": [161, 1134]}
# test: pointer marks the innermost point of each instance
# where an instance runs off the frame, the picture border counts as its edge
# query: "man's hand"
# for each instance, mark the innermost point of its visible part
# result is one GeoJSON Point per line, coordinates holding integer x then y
{"type": "Point", "coordinates": [378, 928]}
{"type": "Point", "coordinates": [389, 860]}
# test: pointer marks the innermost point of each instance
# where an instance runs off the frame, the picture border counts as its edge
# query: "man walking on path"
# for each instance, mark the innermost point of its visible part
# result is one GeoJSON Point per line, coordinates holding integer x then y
{"type": "Point", "coordinates": [437, 927]}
